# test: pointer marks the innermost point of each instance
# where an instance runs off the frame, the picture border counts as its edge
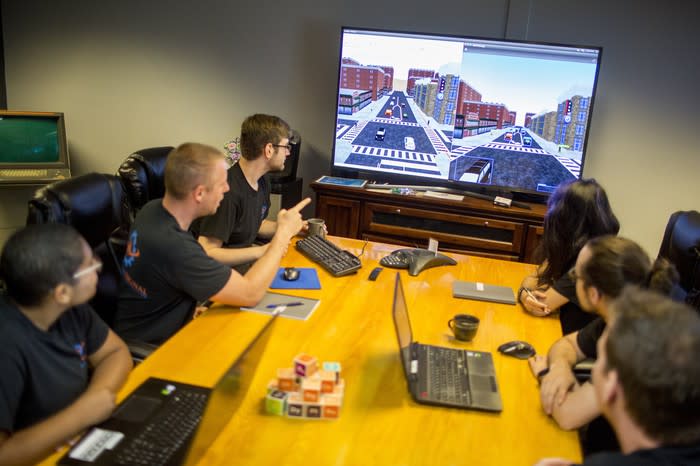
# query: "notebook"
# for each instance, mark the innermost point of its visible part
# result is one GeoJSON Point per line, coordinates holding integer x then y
{"type": "Point", "coordinates": [292, 307]}
{"type": "Point", "coordinates": [444, 376]}
{"type": "Point", "coordinates": [156, 423]}
{"type": "Point", "coordinates": [483, 292]}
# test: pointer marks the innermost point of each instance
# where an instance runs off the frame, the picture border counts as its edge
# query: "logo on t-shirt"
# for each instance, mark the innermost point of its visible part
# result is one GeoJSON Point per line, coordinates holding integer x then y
{"type": "Point", "coordinates": [263, 212]}
{"type": "Point", "coordinates": [132, 251]}
{"type": "Point", "coordinates": [80, 349]}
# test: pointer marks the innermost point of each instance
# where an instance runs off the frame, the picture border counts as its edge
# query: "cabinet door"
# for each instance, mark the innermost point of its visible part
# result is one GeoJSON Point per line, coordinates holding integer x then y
{"type": "Point", "coordinates": [444, 247]}
{"type": "Point", "coordinates": [534, 235]}
{"type": "Point", "coordinates": [342, 216]}
{"type": "Point", "coordinates": [464, 231]}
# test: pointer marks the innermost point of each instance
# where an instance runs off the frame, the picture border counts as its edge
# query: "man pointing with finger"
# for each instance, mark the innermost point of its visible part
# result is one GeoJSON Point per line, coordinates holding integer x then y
{"type": "Point", "coordinates": [166, 271]}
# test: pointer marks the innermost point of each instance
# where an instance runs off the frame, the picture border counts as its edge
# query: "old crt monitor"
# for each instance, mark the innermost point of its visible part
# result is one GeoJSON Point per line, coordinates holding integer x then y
{"type": "Point", "coordinates": [33, 148]}
{"type": "Point", "coordinates": [489, 115]}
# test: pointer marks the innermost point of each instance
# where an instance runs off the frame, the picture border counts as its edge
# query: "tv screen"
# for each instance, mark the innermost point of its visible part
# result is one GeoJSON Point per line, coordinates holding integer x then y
{"type": "Point", "coordinates": [462, 112]}
{"type": "Point", "coordinates": [33, 148]}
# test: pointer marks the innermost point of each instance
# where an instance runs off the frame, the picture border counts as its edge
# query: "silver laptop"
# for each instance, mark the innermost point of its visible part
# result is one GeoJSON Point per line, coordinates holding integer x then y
{"type": "Point", "coordinates": [444, 376]}
{"type": "Point", "coordinates": [483, 292]}
{"type": "Point", "coordinates": [156, 423]}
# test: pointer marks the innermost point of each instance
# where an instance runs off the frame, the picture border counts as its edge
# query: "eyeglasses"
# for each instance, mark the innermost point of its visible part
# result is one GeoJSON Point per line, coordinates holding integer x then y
{"type": "Point", "coordinates": [286, 146]}
{"type": "Point", "coordinates": [96, 266]}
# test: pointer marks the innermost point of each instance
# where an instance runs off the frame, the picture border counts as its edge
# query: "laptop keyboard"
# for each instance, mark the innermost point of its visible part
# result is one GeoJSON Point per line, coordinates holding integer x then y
{"type": "Point", "coordinates": [166, 432]}
{"type": "Point", "coordinates": [447, 375]}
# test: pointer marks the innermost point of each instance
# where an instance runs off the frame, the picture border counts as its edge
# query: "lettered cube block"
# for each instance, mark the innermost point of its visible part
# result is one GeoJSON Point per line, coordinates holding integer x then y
{"type": "Point", "coordinates": [305, 365]}
{"type": "Point", "coordinates": [332, 366]}
{"type": "Point", "coordinates": [330, 406]}
{"type": "Point", "coordinates": [313, 411]}
{"type": "Point", "coordinates": [311, 389]}
{"type": "Point", "coordinates": [272, 386]}
{"type": "Point", "coordinates": [295, 405]}
{"type": "Point", "coordinates": [286, 380]}
{"type": "Point", "coordinates": [339, 389]}
{"type": "Point", "coordinates": [276, 403]}
{"type": "Point", "coordinates": [328, 379]}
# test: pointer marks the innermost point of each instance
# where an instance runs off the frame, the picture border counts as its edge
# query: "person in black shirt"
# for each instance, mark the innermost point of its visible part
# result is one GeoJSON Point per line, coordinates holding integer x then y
{"type": "Point", "coordinates": [604, 266]}
{"type": "Point", "coordinates": [229, 234]}
{"type": "Point", "coordinates": [51, 340]}
{"type": "Point", "coordinates": [166, 271]}
{"type": "Point", "coordinates": [576, 212]}
{"type": "Point", "coordinates": [647, 382]}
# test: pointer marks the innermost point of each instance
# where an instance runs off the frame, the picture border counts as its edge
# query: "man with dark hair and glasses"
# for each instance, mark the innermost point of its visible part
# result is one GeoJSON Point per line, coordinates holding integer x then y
{"type": "Point", "coordinates": [229, 235]}
{"type": "Point", "coordinates": [605, 265]}
{"type": "Point", "coordinates": [646, 382]}
{"type": "Point", "coordinates": [60, 365]}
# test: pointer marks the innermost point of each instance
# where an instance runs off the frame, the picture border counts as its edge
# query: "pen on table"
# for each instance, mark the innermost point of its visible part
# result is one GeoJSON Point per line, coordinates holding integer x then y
{"type": "Point", "coordinates": [272, 306]}
{"type": "Point", "coordinates": [531, 295]}
{"type": "Point", "coordinates": [546, 311]}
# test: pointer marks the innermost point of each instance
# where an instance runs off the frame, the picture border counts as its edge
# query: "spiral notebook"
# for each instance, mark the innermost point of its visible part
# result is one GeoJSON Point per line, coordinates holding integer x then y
{"type": "Point", "coordinates": [293, 307]}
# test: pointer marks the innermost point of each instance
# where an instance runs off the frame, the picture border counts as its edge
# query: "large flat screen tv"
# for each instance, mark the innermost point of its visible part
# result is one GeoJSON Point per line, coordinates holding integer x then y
{"type": "Point", "coordinates": [493, 115]}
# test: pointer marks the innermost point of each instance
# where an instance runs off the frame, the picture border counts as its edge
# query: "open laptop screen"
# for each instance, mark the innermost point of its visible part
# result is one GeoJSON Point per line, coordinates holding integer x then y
{"type": "Point", "coordinates": [402, 324]}
{"type": "Point", "coordinates": [228, 394]}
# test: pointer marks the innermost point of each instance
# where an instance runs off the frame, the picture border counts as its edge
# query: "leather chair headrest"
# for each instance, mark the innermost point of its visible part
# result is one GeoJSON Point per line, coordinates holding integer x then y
{"type": "Point", "coordinates": [681, 245]}
{"type": "Point", "coordinates": [94, 204]}
{"type": "Point", "coordinates": [143, 175]}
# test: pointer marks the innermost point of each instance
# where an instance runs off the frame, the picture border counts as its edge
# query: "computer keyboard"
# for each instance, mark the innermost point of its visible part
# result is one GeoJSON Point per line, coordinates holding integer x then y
{"type": "Point", "coordinates": [24, 173]}
{"type": "Point", "coordinates": [448, 377]}
{"type": "Point", "coordinates": [166, 433]}
{"type": "Point", "coordinates": [328, 255]}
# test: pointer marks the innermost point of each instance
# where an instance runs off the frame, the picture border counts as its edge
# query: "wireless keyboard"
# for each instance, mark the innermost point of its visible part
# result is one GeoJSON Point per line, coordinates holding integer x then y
{"type": "Point", "coordinates": [329, 256]}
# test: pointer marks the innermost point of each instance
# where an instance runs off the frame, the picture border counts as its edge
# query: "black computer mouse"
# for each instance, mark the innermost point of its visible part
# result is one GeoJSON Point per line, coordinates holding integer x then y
{"type": "Point", "coordinates": [290, 274]}
{"type": "Point", "coordinates": [518, 349]}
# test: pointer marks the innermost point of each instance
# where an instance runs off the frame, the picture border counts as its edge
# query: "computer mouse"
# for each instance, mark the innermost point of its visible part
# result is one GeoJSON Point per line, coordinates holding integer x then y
{"type": "Point", "coordinates": [518, 349]}
{"type": "Point", "coordinates": [290, 274]}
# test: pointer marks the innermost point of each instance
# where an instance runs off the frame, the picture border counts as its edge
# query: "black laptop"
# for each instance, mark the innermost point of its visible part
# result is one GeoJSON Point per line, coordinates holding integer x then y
{"type": "Point", "coordinates": [156, 423]}
{"type": "Point", "coordinates": [444, 376]}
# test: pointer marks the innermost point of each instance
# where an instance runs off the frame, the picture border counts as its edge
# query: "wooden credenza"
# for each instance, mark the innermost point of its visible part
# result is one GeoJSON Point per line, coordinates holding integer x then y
{"type": "Point", "coordinates": [472, 226]}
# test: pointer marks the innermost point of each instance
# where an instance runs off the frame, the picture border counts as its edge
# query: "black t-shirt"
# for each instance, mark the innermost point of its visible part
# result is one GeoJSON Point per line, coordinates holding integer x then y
{"type": "Point", "coordinates": [588, 336]}
{"type": "Point", "coordinates": [571, 316]}
{"type": "Point", "coordinates": [42, 373]}
{"type": "Point", "coordinates": [663, 456]}
{"type": "Point", "coordinates": [166, 272]}
{"type": "Point", "coordinates": [241, 212]}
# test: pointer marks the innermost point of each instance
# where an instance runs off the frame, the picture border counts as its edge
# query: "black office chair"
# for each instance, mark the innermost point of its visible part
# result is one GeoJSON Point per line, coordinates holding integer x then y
{"type": "Point", "coordinates": [142, 174]}
{"type": "Point", "coordinates": [681, 246]}
{"type": "Point", "coordinates": [96, 206]}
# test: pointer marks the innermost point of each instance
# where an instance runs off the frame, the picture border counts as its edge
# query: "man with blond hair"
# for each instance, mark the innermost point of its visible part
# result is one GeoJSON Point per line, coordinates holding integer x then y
{"type": "Point", "coordinates": [166, 271]}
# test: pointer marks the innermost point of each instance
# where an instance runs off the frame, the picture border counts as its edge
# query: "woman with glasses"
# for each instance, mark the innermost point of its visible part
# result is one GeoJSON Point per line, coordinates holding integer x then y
{"type": "Point", "coordinates": [60, 365]}
{"type": "Point", "coordinates": [576, 212]}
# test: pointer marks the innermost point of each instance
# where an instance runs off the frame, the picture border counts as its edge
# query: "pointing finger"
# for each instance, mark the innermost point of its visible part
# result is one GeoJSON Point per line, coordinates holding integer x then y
{"type": "Point", "coordinates": [303, 203]}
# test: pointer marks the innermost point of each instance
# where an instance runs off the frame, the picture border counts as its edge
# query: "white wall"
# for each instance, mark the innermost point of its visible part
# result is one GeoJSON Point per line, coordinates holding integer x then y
{"type": "Point", "coordinates": [134, 74]}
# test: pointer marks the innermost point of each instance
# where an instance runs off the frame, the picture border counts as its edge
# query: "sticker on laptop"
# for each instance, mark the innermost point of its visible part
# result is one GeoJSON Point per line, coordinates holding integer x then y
{"type": "Point", "coordinates": [96, 442]}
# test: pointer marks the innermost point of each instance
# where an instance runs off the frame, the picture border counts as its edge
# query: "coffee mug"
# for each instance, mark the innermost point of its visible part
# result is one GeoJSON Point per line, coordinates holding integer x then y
{"type": "Point", "coordinates": [316, 227]}
{"type": "Point", "coordinates": [464, 326]}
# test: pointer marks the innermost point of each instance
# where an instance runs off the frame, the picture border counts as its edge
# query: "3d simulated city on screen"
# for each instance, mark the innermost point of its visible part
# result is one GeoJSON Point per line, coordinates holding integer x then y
{"type": "Point", "coordinates": [499, 113]}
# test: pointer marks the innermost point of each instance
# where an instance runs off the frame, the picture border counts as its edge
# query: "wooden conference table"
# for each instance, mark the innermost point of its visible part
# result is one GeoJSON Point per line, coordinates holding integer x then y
{"type": "Point", "coordinates": [379, 422]}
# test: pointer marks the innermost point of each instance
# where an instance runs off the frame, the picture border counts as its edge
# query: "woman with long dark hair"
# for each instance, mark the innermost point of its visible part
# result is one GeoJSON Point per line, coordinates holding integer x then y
{"type": "Point", "coordinates": [576, 212]}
